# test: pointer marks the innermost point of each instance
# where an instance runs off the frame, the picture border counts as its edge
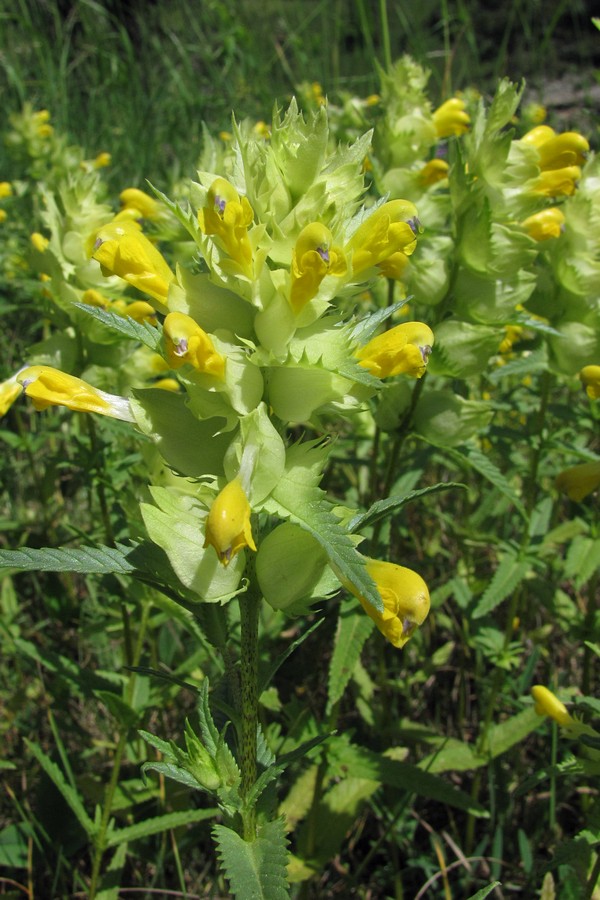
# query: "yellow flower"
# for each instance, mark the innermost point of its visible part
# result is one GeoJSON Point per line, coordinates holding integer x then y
{"type": "Point", "coordinates": [42, 115]}
{"type": "Point", "coordinates": [546, 224]}
{"type": "Point", "coordinates": [5, 189]}
{"type": "Point", "coordinates": [391, 228]}
{"type": "Point", "coordinates": [579, 481]}
{"type": "Point", "coordinates": [122, 249]}
{"type": "Point", "coordinates": [451, 119]}
{"type": "Point", "coordinates": [590, 377]}
{"type": "Point", "coordinates": [51, 387]}
{"type": "Point", "coordinates": [557, 151]}
{"type": "Point", "coordinates": [167, 384]}
{"type": "Point", "coordinates": [94, 298]}
{"type": "Point", "coordinates": [139, 310]}
{"type": "Point", "coordinates": [3, 215]}
{"type": "Point", "coordinates": [557, 182]}
{"type": "Point", "coordinates": [102, 160]}
{"type": "Point", "coordinates": [9, 391]}
{"type": "Point", "coordinates": [313, 258]}
{"type": "Point", "coordinates": [433, 171]}
{"type": "Point", "coordinates": [45, 131]}
{"type": "Point", "coordinates": [404, 349]}
{"type": "Point", "coordinates": [186, 342]}
{"type": "Point", "coordinates": [405, 600]}
{"type": "Point", "coordinates": [547, 704]}
{"type": "Point", "coordinates": [228, 217]}
{"type": "Point", "coordinates": [228, 527]}
{"type": "Point", "coordinates": [512, 334]}
{"type": "Point", "coordinates": [39, 242]}
{"type": "Point", "coordinates": [147, 206]}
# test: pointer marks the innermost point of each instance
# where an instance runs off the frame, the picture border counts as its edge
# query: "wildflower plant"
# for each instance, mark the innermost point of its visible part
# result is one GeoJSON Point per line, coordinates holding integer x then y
{"type": "Point", "coordinates": [258, 324]}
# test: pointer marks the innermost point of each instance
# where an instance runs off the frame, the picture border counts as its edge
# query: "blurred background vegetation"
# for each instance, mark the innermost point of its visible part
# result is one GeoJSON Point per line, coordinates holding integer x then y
{"type": "Point", "coordinates": [141, 78]}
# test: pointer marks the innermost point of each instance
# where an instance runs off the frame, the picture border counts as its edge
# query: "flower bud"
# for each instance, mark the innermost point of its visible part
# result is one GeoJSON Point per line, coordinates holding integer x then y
{"type": "Point", "coordinates": [228, 527]}
{"type": "Point", "coordinates": [547, 704]}
{"type": "Point", "coordinates": [590, 378]}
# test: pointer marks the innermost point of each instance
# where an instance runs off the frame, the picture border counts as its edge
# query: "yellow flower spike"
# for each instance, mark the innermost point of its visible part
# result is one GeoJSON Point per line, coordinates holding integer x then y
{"type": "Point", "coordinates": [567, 149]}
{"type": "Point", "coordinates": [433, 171]}
{"type": "Point", "coordinates": [122, 249]}
{"type": "Point", "coordinates": [404, 349]}
{"type": "Point", "coordinates": [102, 160]}
{"type": "Point", "coordinates": [133, 198]}
{"type": "Point", "coordinates": [5, 189]}
{"type": "Point", "coordinates": [38, 241]}
{"type": "Point", "coordinates": [186, 342]}
{"type": "Point", "coordinates": [391, 228]}
{"type": "Point", "coordinates": [51, 387]}
{"type": "Point", "coordinates": [590, 378]}
{"type": "Point", "coordinates": [557, 182]}
{"type": "Point", "coordinates": [228, 527]}
{"type": "Point", "coordinates": [548, 223]}
{"type": "Point", "coordinates": [451, 118]}
{"type": "Point", "coordinates": [405, 600]}
{"type": "Point", "coordinates": [313, 257]}
{"type": "Point", "coordinates": [547, 704]}
{"type": "Point", "coordinates": [9, 391]}
{"type": "Point", "coordinates": [579, 481]}
{"type": "Point", "coordinates": [228, 216]}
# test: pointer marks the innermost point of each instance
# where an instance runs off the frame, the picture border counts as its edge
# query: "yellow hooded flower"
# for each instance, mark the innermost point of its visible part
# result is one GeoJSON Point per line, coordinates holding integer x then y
{"type": "Point", "coordinates": [38, 241]}
{"type": "Point", "coordinates": [122, 249]}
{"type": "Point", "coordinates": [391, 228]}
{"type": "Point", "coordinates": [9, 391]}
{"type": "Point", "coordinates": [313, 258]}
{"type": "Point", "coordinates": [579, 481]}
{"type": "Point", "coordinates": [546, 224]}
{"type": "Point", "coordinates": [404, 349]}
{"type": "Point", "coordinates": [557, 182]}
{"type": "Point", "coordinates": [433, 171]}
{"type": "Point", "coordinates": [147, 206]}
{"type": "Point", "coordinates": [102, 160]}
{"type": "Point", "coordinates": [5, 189]}
{"type": "Point", "coordinates": [451, 119]}
{"type": "Point", "coordinates": [228, 527]}
{"type": "Point", "coordinates": [405, 600]}
{"type": "Point", "coordinates": [547, 704]}
{"type": "Point", "coordinates": [186, 342]}
{"type": "Point", "coordinates": [51, 387]}
{"type": "Point", "coordinates": [590, 378]}
{"type": "Point", "coordinates": [557, 151]}
{"type": "Point", "coordinates": [228, 217]}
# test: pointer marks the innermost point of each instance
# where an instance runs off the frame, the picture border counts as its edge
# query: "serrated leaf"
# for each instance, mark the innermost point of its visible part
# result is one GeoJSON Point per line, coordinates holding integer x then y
{"type": "Point", "coordinates": [507, 577]}
{"type": "Point", "coordinates": [69, 793]}
{"type": "Point", "coordinates": [298, 499]}
{"type": "Point", "coordinates": [83, 560]}
{"type": "Point", "coordinates": [175, 773]}
{"type": "Point", "coordinates": [353, 629]}
{"type": "Point", "coordinates": [110, 885]}
{"type": "Point", "coordinates": [583, 559]}
{"type": "Point", "coordinates": [140, 332]}
{"type": "Point", "coordinates": [382, 508]}
{"type": "Point", "coordinates": [159, 824]}
{"type": "Point", "coordinates": [255, 870]}
{"type": "Point", "coordinates": [485, 467]}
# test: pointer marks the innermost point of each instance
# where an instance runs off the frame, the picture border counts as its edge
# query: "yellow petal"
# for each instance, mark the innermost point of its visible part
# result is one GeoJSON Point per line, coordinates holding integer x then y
{"type": "Point", "coordinates": [547, 704]}
{"type": "Point", "coordinates": [228, 527]}
{"type": "Point", "coordinates": [404, 349]}
{"type": "Point", "coordinates": [51, 387]}
{"type": "Point", "coordinates": [186, 342]}
{"type": "Point", "coordinates": [405, 600]}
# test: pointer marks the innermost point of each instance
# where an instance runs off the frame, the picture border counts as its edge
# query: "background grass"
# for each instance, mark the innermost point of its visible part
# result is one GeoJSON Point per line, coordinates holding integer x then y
{"type": "Point", "coordinates": [139, 79]}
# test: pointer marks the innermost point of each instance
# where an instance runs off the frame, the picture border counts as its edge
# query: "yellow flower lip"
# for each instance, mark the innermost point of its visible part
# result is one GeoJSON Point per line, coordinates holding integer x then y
{"type": "Point", "coordinates": [391, 228]}
{"type": "Point", "coordinates": [227, 217]}
{"type": "Point", "coordinates": [47, 386]}
{"type": "Point", "coordinates": [404, 349]}
{"type": "Point", "coordinates": [547, 704]}
{"type": "Point", "coordinates": [228, 528]}
{"type": "Point", "coordinates": [549, 223]}
{"type": "Point", "coordinates": [451, 119]}
{"type": "Point", "coordinates": [313, 257]}
{"type": "Point", "coordinates": [405, 599]}
{"type": "Point", "coordinates": [187, 342]}
{"type": "Point", "coordinates": [122, 249]}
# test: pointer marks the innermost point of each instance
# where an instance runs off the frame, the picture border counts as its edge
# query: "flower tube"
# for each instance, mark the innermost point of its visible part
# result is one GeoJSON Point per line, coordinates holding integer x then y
{"type": "Point", "coordinates": [51, 387]}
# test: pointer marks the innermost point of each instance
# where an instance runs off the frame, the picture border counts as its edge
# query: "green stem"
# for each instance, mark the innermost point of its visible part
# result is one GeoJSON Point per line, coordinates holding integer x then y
{"type": "Point", "coordinates": [111, 787]}
{"type": "Point", "coordinates": [249, 607]}
{"type": "Point", "coordinates": [385, 34]}
{"type": "Point", "coordinates": [592, 880]}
